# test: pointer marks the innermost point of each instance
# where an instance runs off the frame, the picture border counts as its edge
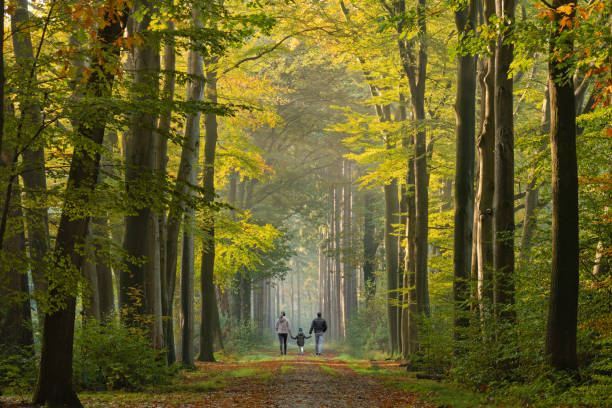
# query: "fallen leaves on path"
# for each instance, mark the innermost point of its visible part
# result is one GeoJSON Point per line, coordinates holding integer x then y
{"type": "Point", "coordinates": [282, 382]}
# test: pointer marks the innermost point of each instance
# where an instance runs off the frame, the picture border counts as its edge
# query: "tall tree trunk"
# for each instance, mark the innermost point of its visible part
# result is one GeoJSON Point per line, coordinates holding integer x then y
{"type": "Point", "coordinates": [533, 188]}
{"type": "Point", "coordinates": [186, 181]}
{"type": "Point", "coordinates": [563, 303]}
{"type": "Point", "coordinates": [391, 259]}
{"type": "Point", "coordinates": [465, 110]}
{"type": "Point", "coordinates": [415, 68]}
{"type": "Point", "coordinates": [210, 329]}
{"type": "Point", "coordinates": [486, 171]}
{"type": "Point", "coordinates": [33, 172]}
{"type": "Point", "coordinates": [409, 313]}
{"type": "Point", "coordinates": [369, 246]}
{"type": "Point", "coordinates": [235, 291]}
{"type": "Point", "coordinates": [103, 269]}
{"type": "Point", "coordinates": [15, 315]}
{"type": "Point", "coordinates": [55, 374]}
{"type": "Point", "coordinates": [168, 274]}
{"type": "Point", "coordinates": [142, 229]}
{"type": "Point", "coordinates": [503, 197]}
{"type": "Point", "coordinates": [91, 291]}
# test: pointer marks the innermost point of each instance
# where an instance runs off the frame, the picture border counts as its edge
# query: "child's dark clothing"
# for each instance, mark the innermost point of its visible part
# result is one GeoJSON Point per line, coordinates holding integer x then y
{"type": "Point", "coordinates": [300, 340]}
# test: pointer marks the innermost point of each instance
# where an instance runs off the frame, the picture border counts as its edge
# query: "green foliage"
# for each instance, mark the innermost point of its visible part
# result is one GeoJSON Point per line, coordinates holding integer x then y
{"type": "Point", "coordinates": [243, 336]}
{"type": "Point", "coordinates": [18, 369]}
{"type": "Point", "coordinates": [367, 330]}
{"type": "Point", "coordinates": [108, 356]}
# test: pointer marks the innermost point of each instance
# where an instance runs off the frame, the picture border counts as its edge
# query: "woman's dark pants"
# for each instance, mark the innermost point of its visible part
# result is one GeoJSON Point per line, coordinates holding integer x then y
{"type": "Point", "coordinates": [282, 339]}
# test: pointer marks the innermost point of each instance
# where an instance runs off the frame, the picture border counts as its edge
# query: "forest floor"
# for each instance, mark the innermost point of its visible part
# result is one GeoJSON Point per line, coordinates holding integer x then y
{"type": "Point", "coordinates": [268, 380]}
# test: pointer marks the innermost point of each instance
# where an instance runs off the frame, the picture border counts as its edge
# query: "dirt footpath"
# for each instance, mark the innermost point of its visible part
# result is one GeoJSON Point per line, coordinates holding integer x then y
{"type": "Point", "coordinates": [312, 382]}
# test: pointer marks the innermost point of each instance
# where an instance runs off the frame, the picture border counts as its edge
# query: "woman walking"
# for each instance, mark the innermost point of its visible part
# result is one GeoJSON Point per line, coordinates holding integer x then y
{"type": "Point", "coordinates": [283, 328]}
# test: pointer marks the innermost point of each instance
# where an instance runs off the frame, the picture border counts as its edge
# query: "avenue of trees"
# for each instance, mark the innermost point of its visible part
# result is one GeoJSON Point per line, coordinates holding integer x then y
{"type": "Point", "coordinates": [434, 176]}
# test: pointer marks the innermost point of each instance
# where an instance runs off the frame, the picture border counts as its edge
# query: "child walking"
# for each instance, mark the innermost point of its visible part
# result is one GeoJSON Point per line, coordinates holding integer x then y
{"type": "Point", "coordinates": [300, 340]}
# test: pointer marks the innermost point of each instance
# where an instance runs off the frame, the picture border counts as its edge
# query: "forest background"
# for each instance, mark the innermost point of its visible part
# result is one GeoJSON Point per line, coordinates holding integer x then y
{"type": "Point", "coordinates": [433, 176]}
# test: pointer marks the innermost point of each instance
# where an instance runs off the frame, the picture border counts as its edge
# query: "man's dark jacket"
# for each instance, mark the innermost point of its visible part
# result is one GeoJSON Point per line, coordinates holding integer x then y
{"type": "Point", "coordinates": [318, 325]}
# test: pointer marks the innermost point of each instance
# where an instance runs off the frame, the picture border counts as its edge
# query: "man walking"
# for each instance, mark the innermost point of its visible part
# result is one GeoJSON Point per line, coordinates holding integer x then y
{"type": "Point", "coordinates": [319, 325]}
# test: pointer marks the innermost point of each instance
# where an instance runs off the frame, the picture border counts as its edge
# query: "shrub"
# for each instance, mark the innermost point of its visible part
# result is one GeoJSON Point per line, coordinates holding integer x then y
{"type": "Point", "coordinates": [18, 370]}
{"type": "Point", "coordinates": [243, 336]}
{"type": "Point", "coordinates": [108, 356]}
{"type": "Point", "coordinates": [367, 330]}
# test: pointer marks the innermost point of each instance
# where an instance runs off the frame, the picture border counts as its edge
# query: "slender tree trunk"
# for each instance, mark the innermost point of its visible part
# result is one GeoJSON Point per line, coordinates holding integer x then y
{"type": "Point", "coordinates": [15, 315]}
{"type": "Point", "coordinates": [563, 303]}
{"type": "Point", "coordinates": [503, 197]}
{"type": "Point", "coordinates": [369, 245]}
{"type": "Point", "coordinates": [486, 171]}
{"type": "Point", "coordinates": [415, 68]}
{"type": "Point", "coordinates": [55, 374]}
{"type": "Point", "coordinates": [410, 329]}
{"type": "Point", "coordinates": [210, 329]}
{"type": "Point", "coordinates": [465, 109]}
{"type": "Point", "coordinates": [188, 177]}
{"type": "Point", "coordinates": [91, 291]}
{"type": "Point", "coordinates": [168, 275]}
{"type": "Point", "coordinates": [321, 269]}
{"type": "Point", "coordinates": [235, 291]}
{"type": "Point", "coordinates": [391, 257]}
{"type": "Point", "coordinates": [33, 172]}
{"type": "Point", "coordinates": [533, 188]}
{"type": "Point", "coordinates": [103, 269]}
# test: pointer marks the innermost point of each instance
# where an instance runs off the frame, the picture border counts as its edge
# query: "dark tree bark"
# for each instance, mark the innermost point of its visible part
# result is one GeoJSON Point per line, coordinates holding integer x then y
{"type": "Point", "coordinates": [503, 197]}
{"type": "Point", "coordinates": [168, 275]}
{"type": "Point", "coordinates": [142, 229]}
{"type": "Point", "coordinates": [370, 245]}
{"type": "Point", "coordinates": [33, 172]}
{"type": "Point", "coordinates": [235, 294]}
{"type": "Point", "coordinates": [15, 315]}
{"type": "Point", "coordinates": [91, 291]}
{"type": "Point", "coordinates": [391, 258]}
{"type": "Point", "coordinates": [563, 302]}
{"type": "Point", "coordinates": [465, 109]}
{"type": "Point", "coordinates": [210, 329]}
{"type": "Point", "coordinates": [186, 181]}
{"type": "Point", "coordinates": [55, 376]}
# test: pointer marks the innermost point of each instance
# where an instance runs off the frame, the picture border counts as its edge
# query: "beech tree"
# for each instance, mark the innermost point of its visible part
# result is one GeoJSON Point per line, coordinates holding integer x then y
{"type": "Point", "coordinates": [563, 303]}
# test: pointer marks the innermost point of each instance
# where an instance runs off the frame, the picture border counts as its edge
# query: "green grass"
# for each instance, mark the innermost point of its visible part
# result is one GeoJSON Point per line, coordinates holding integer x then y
{"type": "Point", "coordinates": [375, 370]}
{"type": "Point", "coordinates": [241, 372]}
{"type": "Point", "coordinates": [441, 393]}
{"type": "Point", "coordinates": [285, 369]}
{"type": "Point", "coordinates": [330, 370]}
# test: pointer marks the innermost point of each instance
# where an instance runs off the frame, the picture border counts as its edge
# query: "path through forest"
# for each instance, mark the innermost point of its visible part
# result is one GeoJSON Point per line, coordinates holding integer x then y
{"type": "Point", "coordinates": [266, 380]}
{"type": "Point", "coordinates": [291, 381]}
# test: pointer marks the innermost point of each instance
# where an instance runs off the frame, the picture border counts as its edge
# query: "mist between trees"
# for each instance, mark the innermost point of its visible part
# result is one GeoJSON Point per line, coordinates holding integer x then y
{"type": "Point", "coordinates": [433, 176]}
